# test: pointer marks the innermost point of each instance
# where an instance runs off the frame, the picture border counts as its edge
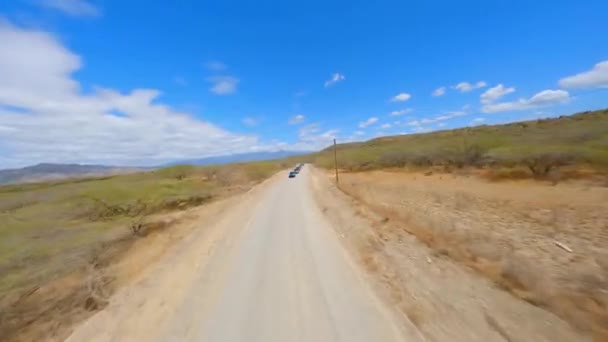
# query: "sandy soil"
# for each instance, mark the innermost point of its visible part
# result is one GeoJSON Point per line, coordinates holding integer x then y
{"type": "Point", "coordinates": [448, 302]}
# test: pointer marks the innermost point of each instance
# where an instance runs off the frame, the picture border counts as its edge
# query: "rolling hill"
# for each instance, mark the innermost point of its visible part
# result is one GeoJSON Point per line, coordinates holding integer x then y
{"type": "Point", "coordinates": [49, 171]}
{"type": "Point", "coordinates": [581, 138]}
{"type": "Point", "coordinates": [238, 158]}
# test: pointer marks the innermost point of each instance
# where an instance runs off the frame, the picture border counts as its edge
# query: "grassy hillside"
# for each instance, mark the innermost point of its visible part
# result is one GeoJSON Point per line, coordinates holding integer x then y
{"type": "Point", "coordinates": [50, 172]}
{"type": "Point", "coordinates": [539, 146]}
{"type": "Point", "coordinates": [56, 230]}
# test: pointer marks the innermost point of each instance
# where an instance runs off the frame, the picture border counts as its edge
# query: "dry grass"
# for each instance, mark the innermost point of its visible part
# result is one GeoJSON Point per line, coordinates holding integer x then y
{"type": "Point", "coordinates": [507, 233]}
{"type": "Point", "coordinates": [574, 172]}
{"type": "Point", "coordinates": [444, 300]}
{"type": "Point", "coordinates": [47, 310]}
{"type": "Point", "coordinates": [57, 239]}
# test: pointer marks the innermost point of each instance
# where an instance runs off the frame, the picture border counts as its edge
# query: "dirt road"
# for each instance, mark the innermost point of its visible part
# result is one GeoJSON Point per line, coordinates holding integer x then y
{"type": "Point", "coordinates": [270, 268]}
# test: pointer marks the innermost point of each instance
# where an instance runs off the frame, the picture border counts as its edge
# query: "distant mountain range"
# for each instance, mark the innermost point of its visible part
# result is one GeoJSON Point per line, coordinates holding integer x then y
{"type": "Point", "coordinates": [48, 171]}
{"type": "Point", "coordinates": [238, 158]}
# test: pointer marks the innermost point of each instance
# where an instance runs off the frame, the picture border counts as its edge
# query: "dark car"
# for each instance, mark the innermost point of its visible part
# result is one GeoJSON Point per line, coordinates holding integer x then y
{"type": "Point", "coordinates": [292, 174]}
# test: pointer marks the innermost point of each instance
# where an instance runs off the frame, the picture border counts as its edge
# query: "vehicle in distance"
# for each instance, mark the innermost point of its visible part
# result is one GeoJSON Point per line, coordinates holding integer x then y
{"type": "Point", "coordinates": [295, 171]}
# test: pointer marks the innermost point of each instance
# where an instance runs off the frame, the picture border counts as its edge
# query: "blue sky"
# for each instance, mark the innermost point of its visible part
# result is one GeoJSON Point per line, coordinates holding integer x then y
{"type": "Point", "coordinates": [142, 83]}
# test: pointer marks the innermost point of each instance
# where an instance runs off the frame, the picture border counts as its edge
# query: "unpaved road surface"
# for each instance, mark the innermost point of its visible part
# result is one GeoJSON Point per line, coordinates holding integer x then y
{"type": "Point", "coordinates": [268, 267]}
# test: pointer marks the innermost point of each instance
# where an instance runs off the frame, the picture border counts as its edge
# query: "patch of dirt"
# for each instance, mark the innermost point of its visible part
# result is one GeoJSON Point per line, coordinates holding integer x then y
{"type": "Point", "coordinates": [545, 244]}
{"type": "Point", "coordinates": [446, 301]}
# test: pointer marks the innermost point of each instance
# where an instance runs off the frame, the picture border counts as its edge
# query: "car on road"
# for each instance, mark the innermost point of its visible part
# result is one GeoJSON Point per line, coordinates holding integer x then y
{"type": "Point", "coordinates": [292, 174]}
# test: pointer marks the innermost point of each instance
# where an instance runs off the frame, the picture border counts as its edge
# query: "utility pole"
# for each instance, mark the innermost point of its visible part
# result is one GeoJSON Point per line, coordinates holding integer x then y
{"type": "Point", "coordinates": [336, 162]}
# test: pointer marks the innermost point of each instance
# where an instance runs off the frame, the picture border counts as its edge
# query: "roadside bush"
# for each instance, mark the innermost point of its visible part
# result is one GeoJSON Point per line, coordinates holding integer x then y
{"type": "Point", "coordinates": [542, 164]}
{"type": "Point", "coordinates": [178, 172]}
{"type": "Point", "coordinates": [470, 156]}
{"type": "Point", "coordinates": [102, 210]}
{"type": "Point", "coordinates": [394, 159]}
{"type": "Point", "coordinates": [421, 160]}
{"type": "Point", "coordinates": [225, 176]}
{"type": "Point", "coordinates": [222, 175]}
{"type": "Point", "coordinates": [473, 155]}
{"type": "Point", "coordinates": [355, 166]}
{"type": "Point", "coordinates": [183, 202]}
{"type": "Point", "coordinates": [467, 155]}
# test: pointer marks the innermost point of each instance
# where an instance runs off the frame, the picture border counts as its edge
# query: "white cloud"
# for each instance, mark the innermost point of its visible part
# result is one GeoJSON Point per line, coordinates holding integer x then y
{"type": "Point", "coordinates": [313, 138]}
{"type": "Point", "coordinates": [596, 77]}
{"type": "Point", "coordinates": [401, 112]}
{"type": "Point", "coordinates": [386, 126]}
{"type": "Point", "coordinates": [359, 133]}
{"type": "Point", "coordinates": [76, 8]}
{"type": "Point", "coordinates": [46, 116]}
{"type": "Point", "coordinates": [223, 85]}
{"type": "Point", "coordinates": [309, 130]}
{"type": "Point", "coordinates": [465, 87]}
{"type": "Point", "coordinates": [249, 121]}
{"type": "Point", "coordinates": [215, 66]}
{"type": "Point", "coordinates": [477, 121]}
{"type": "Point", "coordinates": [335, 78]}
{"type": "Point", "coordinates": [441, 124]}
{"type": "Point", "coordinates": [401, 97]}
{"type": "Point", "coordinates": [437, 119]}
{"type": "Point", "coordinates": [420, 129]}
{"type": "Point", "coordinates": [495, 93]}
{"type": "Point", "coordinates": [296, 119]}
{"type": "Point", "coordinates": [368, 122]}
{"type": "Point", "coordinates": [439, 91]}
{"type": "Point", "coordinates": [541, 99]}
{"type": "Point", "coordinates": [447, 116]}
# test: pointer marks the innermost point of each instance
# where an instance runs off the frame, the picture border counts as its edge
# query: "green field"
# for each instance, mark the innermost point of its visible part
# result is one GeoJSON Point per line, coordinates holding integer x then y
{"type": "Point", "coordinates": [539, 146]}
{"type": "Point", "coordinates": [49, 229]}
